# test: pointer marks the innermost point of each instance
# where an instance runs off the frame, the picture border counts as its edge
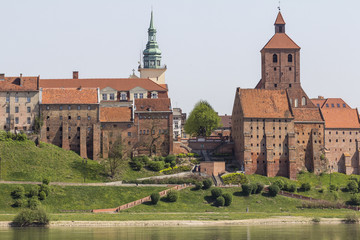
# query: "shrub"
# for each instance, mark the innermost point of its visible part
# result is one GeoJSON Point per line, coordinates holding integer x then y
{"type": "Point", "coordinates": [305, 187]}
{"type": "Point", "coordinates": [28, 217]}
{"type": "Point", "coordinates": [352, 186]}
{"type": "Point", "coordinates": [280, 183]}
{"type": "Point", "coordinates": [253, 188]}
{"type": "Point", "coordinates": [235, 178]}
{"type": "Point", "coordinates": [216, 192]}
{"type": "Point", "coordinates": [273, 190]}
{"type": "Point", "coordinates": [246, 189]}
{"type": "Point", "coordinates": [259, 188]}
{"type": "Point", "coordinates": [172, 196]}
{"type": "Point", "coordinates": [34, 191]}
{"type": "Point", "coordinates": [316, 219]}
{"type": "Point", "coordinates": [170, 158]}
{"type": "Point", "coordinates": [351, 218]}
{"type": "Point", "coordinates": [21, 137]}
{"type": "Point", "coordinates": [34, 203]}
{"type": "Point", "coordinates": [155, 198]}
{"type": "Point", "coordinates": [291, 187]}
{"type": "Point", "coordinates": [173, 163]}
{"type": "Point", "coordinates": [42, 195]}
{"type": "Point", "coordinates": [46, 181]}
{"type": "Point", "coordinates": [228, 199]}
{"type": "Point", "coordinates": [220, 201]}
{"type": "Point", "coordinates": [167, 165]}
{"type": "Point", "coordinates": [156, 166]}
{"type": "Point", "coordinates": [18, 203]}
{"type": "Point", "coordinates": [18, 192]}
{"type": "Point", "coordinates": [322, 156]}
{"type": "Point", "coordinates": [190, 154]}
{"type": "Point", "coordinates": [181, 155]}
{"type": "Point", "coordinates": [136, 165]}
{"type": "Point", "coordinates": [355, 199]}
{"type": "Point", "coordinates": [45, 188]}
{"type": "Point", "coordinates": [207, 183]}
{"type": "Point", "coordinates": [176, 169]}
{"type": "Point", "coordinates": [333, 187]}
{"type": "Point", "coordinates": [198, 186]}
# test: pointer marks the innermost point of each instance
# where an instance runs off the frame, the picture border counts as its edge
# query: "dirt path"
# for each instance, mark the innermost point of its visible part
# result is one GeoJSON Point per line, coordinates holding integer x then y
{"type": "Point", "coordinates": [89, 184]}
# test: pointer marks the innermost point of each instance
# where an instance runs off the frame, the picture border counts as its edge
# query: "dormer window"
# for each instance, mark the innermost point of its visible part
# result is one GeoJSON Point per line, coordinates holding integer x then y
{"type": "Point", "coordinates": [112, 96]}
{"type": "Point", "coordinates": [135, 95]}
{"type": "Point", "coordinates": [154, 95]}
{"type": "Point", "coordinates": [123, 96]}
{"type": "Point", "coordinates": [141, 95]}
{"type": "Point", "coordinates": [104, 96]}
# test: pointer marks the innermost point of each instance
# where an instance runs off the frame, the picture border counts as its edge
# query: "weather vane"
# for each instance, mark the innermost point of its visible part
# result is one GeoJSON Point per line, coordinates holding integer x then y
{"type": "Point", "coordinates": [279, 6]}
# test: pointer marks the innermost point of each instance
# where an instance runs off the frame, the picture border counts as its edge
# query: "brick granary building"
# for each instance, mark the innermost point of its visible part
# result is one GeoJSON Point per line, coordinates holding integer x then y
{"type": "Point", "coordinates": [278, 130]}
{"type": "Point", "coordinates": [89, 116]}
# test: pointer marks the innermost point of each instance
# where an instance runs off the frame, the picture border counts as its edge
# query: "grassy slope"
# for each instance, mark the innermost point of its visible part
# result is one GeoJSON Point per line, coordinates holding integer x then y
{"type": "Point", "coordinates": [22, 160]}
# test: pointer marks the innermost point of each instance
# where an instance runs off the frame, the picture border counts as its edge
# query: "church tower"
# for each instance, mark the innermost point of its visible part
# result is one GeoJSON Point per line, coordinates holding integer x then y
{"type": "Point", "coordinates": [151, 66]}
{"type": "Point", "coordinates": [280, 60]}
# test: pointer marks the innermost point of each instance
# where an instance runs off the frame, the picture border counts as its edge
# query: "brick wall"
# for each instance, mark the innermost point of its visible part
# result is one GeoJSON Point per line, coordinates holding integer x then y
{"type": "Point", "coordinates": [211, 168]}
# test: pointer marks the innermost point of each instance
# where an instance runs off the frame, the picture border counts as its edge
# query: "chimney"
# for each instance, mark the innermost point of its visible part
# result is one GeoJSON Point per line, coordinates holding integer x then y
{"type": "Point", "coordinates": [75, 75]}
{"type": "Point", "coordinates": [21, 80]}
{"type": "Point", "coordinates": [2, 76]}
{"type": "Point", "coordinates": [320, 97]}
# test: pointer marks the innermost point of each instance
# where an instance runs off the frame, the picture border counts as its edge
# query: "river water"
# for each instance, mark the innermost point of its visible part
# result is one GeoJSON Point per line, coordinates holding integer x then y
{"type": "Point", "coordinates": [269, 232]}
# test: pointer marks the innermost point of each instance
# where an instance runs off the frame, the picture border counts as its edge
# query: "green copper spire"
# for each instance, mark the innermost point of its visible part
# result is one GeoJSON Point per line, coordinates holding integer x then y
{"type": "Point", "coordinates": [152, 53]}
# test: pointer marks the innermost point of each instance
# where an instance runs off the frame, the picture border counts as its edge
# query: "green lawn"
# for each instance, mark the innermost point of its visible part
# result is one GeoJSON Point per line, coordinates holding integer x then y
{"type": "Point", "coordinates": [23, 161]}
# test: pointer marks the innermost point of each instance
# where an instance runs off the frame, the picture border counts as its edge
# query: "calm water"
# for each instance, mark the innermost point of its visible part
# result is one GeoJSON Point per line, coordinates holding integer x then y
{"type": "Point", "coordinates": [293, 232]}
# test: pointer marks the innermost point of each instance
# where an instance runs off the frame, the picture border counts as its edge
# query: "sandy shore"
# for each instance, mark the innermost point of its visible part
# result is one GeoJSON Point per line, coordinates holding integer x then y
{"type": "Point", "coordinates": [265, 221]}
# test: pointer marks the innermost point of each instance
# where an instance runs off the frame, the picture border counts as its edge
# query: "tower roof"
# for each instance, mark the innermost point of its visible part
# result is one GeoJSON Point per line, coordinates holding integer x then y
{"type": "Point", "coordinates": [281, 40]}
{"type": "Point", "coordinates": [151, 21]}
{"type": "Point", "coordinates": [279, 19]}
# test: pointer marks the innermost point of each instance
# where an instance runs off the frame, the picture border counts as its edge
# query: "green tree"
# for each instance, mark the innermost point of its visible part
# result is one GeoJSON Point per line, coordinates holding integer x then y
{"type": "Point", "coordinates": [115, 156]}
{"type": "Point", "coordinates": [202, 120]}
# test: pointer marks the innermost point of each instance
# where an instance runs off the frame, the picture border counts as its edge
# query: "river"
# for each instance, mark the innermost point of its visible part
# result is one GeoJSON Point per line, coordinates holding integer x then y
{"type": "Point", "coordinates": [269, 232]}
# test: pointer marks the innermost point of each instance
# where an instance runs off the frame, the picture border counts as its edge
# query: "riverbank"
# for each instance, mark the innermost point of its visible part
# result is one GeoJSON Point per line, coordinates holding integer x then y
{"type": "Point", "coordinates": [154, 223]}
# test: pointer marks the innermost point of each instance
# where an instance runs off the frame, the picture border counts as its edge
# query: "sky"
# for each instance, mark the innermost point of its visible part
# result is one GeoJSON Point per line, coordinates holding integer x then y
{"type": "Point", "coordinates": [210, 47]}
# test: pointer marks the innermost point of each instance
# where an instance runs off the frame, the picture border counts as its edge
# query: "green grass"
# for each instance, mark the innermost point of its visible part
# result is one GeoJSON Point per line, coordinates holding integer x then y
{"type": "Point", "coordinates": [23, 161]}
{"type": "Point", "coordinates": [79, 197]}
{"type": "Point", "coordinates": [126, 173]}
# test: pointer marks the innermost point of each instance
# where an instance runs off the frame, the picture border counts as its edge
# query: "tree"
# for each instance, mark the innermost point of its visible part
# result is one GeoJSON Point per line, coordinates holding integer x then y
{"type": "Point", "coordinates": [202, 120]}
{"type": "Point", "coordinates": [115, 156]}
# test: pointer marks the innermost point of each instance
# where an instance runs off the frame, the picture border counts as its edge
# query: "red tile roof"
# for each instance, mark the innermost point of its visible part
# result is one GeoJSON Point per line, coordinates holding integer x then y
{"type": "Point", "coordinates": [69, 96]}
{"type": "Point", "coordinates": [153, 104]}
{"type": "Point", "coordinates": [279, 19]}
{"type": "Point", "coordinates": [120, 84]}
{"type": "Point", "coordinates": [263, 103]}
{"type": "Point", "coordinates": [13, 84]}
{"type": "Point", "coordinates": [226, 121]}
{"type": "Point", "coordinates": [115, 114]}
{"type": "Point", "coordinates": [281, 41]}
{"type": "Point", "coordinates": [340, 117]}
{"type": "Point", "coordinates": [307, 114]}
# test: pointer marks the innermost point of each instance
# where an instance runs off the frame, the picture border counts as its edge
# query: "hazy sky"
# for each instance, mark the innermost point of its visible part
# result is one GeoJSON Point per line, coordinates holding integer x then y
{"type": "Point", "coordinates": [210, 47]}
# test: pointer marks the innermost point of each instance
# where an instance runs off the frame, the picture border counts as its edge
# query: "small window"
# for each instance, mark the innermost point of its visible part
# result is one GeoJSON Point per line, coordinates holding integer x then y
{"type": "Point", "coordinates": [69, 107]}
{"type": "Point", "coordinates": [28, 120]}
{"type": "Point", "coordinates": [61, 118]}
{"type": "Point", "coordinates": [290, 58]}
{"type": "Point", "coordinates": [290, 85]}
{"type": "Point", "coordinates": [112, 96]}
{"type": "Point", "coordinates": [344, 105]}
{"type": "Point", "coordinates": [69, 117]}
{"type": "Point", "coordinates": [327, 105]}
{"type": "Point", "coordinates": [28, 99]}
{"type": "Point", "coordinates": [7, 109]}
{"type": "Point", "coordinates": [78, 107]}
{"type": "Point", "coordinates": [89, 107]}
{"type": "Point", "coordinates": [69, 129]}
{"type": "Point", "coordinates": [290, 69]}
{"type": "Point", "coordinates": [7, 98]}
{"type": "Point", "coordinates": [275, 58]}
{"type": "Point", "coordinates": [60, 107]}
{"type": "Point", "coordinates": [16, 98]}
{"type": "Point", "coordinates": [135, 95]}
{"type": "Point", "coordinates": [303, 101]}
{"type": "Point", "coordinates": [89, 118]}
{"type": "Point", "coordinates": [104, 96]}
{"type": "Point", "coordinates": [332, 105]}
{"type": "Point", "coordinates": [275, 85]}
{"type": "Point", "coordinates": [47, 107]}
{"type": "Point", "coordinates": [318, 105]}
{"type": "Point", "coordinates": [123, 96]}
{"type": "Point", "coordinates": [129, 134]}
{"type": "Point", "coordinates": [28, 109]}
{"type": "Point", "coordinates": [78, 118]}
{"type": "Point", "coordinates": [338, 105]}
{"type": "Point", "coordinates": [296, 102]}
{"type": "Point", "coordinates": [274, 69]}
{"type": "Point", "coordinates": [16, 109]}
{"type": "Point", "coordinates": [7, 120]}
{"type": "Point", "coordinates": [141, 95]}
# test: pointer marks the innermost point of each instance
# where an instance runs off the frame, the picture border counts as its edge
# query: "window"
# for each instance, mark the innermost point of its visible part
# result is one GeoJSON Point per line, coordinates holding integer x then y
{"type": "Point", "coordinates": [158, 62]}
{"type": "Point", "coordinates": [69, 107]}
{"type": "Point", "coordinates": [290, 69]}
{"type": "Point", "coordinates": [154, 95]}
{"type": "Point", "coordinates": [61, 107]}
{"type": "Point", "coordinates": [135, 95]}
{"type": "Point", "coordinates": [28, 109]}
{"type": "Point", "coordinates": [7, 98]}
{"type": "Point", "coordinates": [47, 107]}
{"type": "Point", "coordinates": [16, 109]}
{"type": "Point", "coordinates": [28, 99]}
{"type": "Point", "coordinates": [344, 105]}
{"type": "Point", "coordinates": [16, 120]}
{"type": "Point", "coordinates": [290, 85]}
{"type": "Point", "coordinates": [7, 120]}
{"type": "Point", "coordinates": [327, 105]}
{"type": "Point", "coordinates": [69, 117]}
{"type": "Point", "coordinates": [290, 58]}
{"type": "Point", "coordinates": [28, 120]}
{"type": "Point", "coordinates": [275, 58]}
{"type": "Point", "coordinates": [61, 118]}
{"type": "Point", "coordinates": [78, 107]}
{"type": "Point", "coordinates": [69, 129]}
{"type": "Point", "coordinates": [338, 105]}
{"type": "Point", "coordinates": [112, 96]}
{"type": "Point", "coordinates": [123, 96]}
{"type": "Point", "coordinates": [129, 134]}
{"type": "Point", "coordinates": [152, 63]}
{"type": "Point", "coordinates": [318, 105]}
{"type": "Point", "coordinates": [89, 107]}
{"type": "Point", "coordinates": [16, 98]}
{"type": "Point", "coordinates": [89, 118]}
{"type": "Point", "coordinates": [274, 69]}
{"type": "Point", "coordinates": [275, 85]}
{"type": "Point", "coordinates": [78, 118]}
{"type": "Point", "coordinates": [332, 105]}
{"type": "Point", "coordinates": [296, 102]}
{"type": "Point", "coordinates": [104, 96]}
{"type": "Point", "coordinates": [7, 109]}
{"type": "Point", "coordinates": [141, 95]}
{"type": "Point", "coordinates": [303, 101]}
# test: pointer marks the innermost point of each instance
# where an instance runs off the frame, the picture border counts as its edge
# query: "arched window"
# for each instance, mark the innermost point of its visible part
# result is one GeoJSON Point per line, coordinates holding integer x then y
{"type": "Point", "coordinates": [289, 58]}
{"type": "Point", "coordinates": [296, 104]}
{"type": "Point", "coordinates": [275, 58]}
{"type": "Point", "coordinates": [303, 101]}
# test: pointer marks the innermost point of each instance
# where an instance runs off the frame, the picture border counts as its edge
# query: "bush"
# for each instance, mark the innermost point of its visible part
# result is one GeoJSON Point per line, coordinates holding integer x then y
{"type": "Point", "coordinates": [216, 192]}
{"type": "Point", "coordinates": [228, 199]}
{"type": "Point", "coordinates": [34, 203]}
{"type": "Point", "coordinates": [28, 217]}
{"type": "Point", "coordinates": [181, 155]}
{"type": "Point", "coordinates": [176, 169]}
{"type": "Point", "coordinates": [167, 165]}
{"type": "Point", "coordinates": [155, 198]}
{"type": "Point", "coordinates": [305, 187]}
{"type": "Point", "coordinates": [333, 187]}
{"type": "Point", "coordinates": [198, 185]}
{"type": "Point", "coordinates": [291, 187]}
{"type": "Point", "coordinates": [190, 154]}
{"type": "Point", "coordinates": [21, 137]}
{"type": "Point", "coordinates": [274, 190]}
{"type": "Point", "coordinates": [355, 200]}
{"type": "Point", "coordinates": [316, 219]}
{"type": "Point", "coordinates": [136, 165]}
{"type": "Point", "coordinates": [351, 218]}
{"type": "Point", "coordinates": [170, 158]}
{"type": "Point", "coordinates": [220, 201]}
{"type": "Point", "coordinates": [156, 166]}
{"type": "Point", "coordinates": [172, 196]}
{"type": "Point", "coordinates": [173, 163]}
{"type": "Point", "coordinates": [45, 188]}
{"type": "Point", "coordinates": [18, 203]}
{"type": "Point", "coordinates": [352, 186]}
{"type": "Point", "coordinates": [18, 192]}
{"type": "Point", "coordinates": [207, 183]}
{"type": "Point", "coordinates": [259, 188]}
{"type": "Point", "coordinates": [34, 191]}
{"type": "Point", "coordinates": [246, 189]}
{"type": "Point", "coordinates": [235, 178]}
{"type": "Point", "coordinates": [42, 195]}
{"type": "Point", "coordinates": [280, 183]}
{"type": "Point", "coordinates": [46, 181]}
{"type": "Point", "coordinates": [253, 188]}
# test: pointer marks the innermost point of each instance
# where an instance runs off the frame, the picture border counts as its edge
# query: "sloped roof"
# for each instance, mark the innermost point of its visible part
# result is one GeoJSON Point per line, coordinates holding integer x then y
{"type": "Point", "coordinates": [115, 114]}
{"type": "Point", "coordinates": [340, 117]}
{"type": "Point", "coordinates": [263, 103]}
{"type": "Point", "coordinates": [13, 84]}
{"type": "Point", "coordinates": [281, 41]}
{"type": "Point", "coordinates": [279, 19]}
{"type": "Point", "coordinates": [120, 84]}
{"type": "Point", "coordinates": [335, 102]}
{"type": "Point", "coordinates": [318, 101]}
{"type": "Point", "coordinates": [307, 114]}
{"type": "Point", "coordinates": [226, 121]}
{"type": "Point", "coordinates": [152, 104]}
{"type": "Point", "coordinates": [69, 96]}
